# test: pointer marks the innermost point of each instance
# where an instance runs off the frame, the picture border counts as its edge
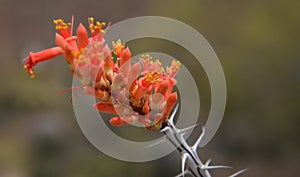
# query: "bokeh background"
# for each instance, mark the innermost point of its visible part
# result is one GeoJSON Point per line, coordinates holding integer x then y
{"type": "Point", "coordinates": [257, 42]}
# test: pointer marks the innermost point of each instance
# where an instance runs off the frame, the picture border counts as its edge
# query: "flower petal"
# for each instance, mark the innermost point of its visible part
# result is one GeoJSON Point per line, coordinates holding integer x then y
{"type": "Point", "coordinates": [118, 121]}
{"type": "Point", "coordinates": [105, 107]}
{"type": "Point", "coordinates": [133, 74]}
{"type": "Point", "coordinates": [140, 91]}
{"type": "Point", "coordinates": [163, 87]}
{"type": "Point", "coordinates": [108, 61]}
{"type": "Point", "coordinates": [125, 56]}
{"type": "Point", "coordinates": [171, 101]}
{"type": "Point", "coordinates": [82, 36]}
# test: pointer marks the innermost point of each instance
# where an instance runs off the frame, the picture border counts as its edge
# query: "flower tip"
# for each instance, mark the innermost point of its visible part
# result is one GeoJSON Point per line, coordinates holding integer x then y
{"type": "Point", "coordinates": [162, 89]}
{"type": "Point", "coordinates": [108, 61]}
{"type": "Point", "coordinates": [32, 76]}
{"type": "Point", "coordinates": [125, 56]}
{"type": "Point", "coordinates": [28, 66]}
{"type": "Point", "coordinates": [29, 70]}
{"type": "Point", "coordinates": [171, 101]}
{"type": "Point", "coordinates": [80, 26]}
{"type": "Point", "coordinates": [105, 107]}
{"type": "Point", "coordinates": [173, 98]}
{"type": "Point", "coordinates": [82, 36]}
{"type": "Point", "coordinates": [117, 121]}
{"type": "Point", "coordinates": [146, 108]}
{"type": "Point", "coordinates": [126, 52]}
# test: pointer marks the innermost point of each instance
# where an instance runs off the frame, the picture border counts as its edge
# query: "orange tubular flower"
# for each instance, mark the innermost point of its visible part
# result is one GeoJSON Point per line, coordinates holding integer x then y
{"type": "Point", "coordinates": [138, 92]}
{"type": "Point", "coordinates": [41, 56]}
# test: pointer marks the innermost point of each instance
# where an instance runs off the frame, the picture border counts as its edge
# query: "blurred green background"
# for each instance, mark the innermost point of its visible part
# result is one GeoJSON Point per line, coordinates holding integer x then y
{"type": "Point", "coordinates": [257, 42]}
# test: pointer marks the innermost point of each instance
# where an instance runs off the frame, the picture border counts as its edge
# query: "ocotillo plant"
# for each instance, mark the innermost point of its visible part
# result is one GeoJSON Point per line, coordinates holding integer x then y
{"type": "Point", "coordinates": [134, 93]}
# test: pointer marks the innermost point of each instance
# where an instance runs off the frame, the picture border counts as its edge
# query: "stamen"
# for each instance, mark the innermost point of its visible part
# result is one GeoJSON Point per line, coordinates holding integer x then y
{"type": "Point", "coordinates": [118, 47]}
{"type": "Point", "coordinates": [153, 77]}
{"type": "Point", "coordinates": [29, 70]}
{"type": "Point", "coordinates": [96, 28]}
{"type": "Point", "coordinates": [174, 68]}
{"type": "Point", "coordinates": [65, 29]}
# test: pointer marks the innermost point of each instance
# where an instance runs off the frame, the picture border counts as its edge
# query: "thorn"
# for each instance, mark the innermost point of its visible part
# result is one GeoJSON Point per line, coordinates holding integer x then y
{"type": "Point", "coordinates": [213, 167]}
{"type": "Point", "coordinates": [239, 172]}
{"type": "Point", "coordinates": [207, 162]}
{"type": "Point", "coordinates": [184, 130]}
{"type": "Point", "coordinates": [196, 145]}
{"type": "Point", "coordinates": [165, 129]}
{"type": "Point", "coordinates": [156, 143]}
{"type": "Point", "coordinates": [171, 119]}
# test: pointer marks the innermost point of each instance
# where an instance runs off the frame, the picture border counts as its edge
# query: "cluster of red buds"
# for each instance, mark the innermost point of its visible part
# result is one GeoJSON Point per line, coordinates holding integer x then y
{"type": "Point", "coordinates": [139, 92]}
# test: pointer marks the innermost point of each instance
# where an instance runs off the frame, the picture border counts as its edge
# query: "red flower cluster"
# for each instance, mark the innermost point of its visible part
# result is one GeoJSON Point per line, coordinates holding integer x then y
{"type": "Point", "coordinates": [138, 92]}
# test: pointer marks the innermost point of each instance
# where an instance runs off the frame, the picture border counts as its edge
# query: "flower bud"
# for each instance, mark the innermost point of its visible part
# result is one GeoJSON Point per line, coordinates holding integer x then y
{"type": "Point", "coordinates": [117, 121]}
{"type": "Point", "coordinates": [105, 107]}
{"type": "Point", "coordinates": [82, 36]}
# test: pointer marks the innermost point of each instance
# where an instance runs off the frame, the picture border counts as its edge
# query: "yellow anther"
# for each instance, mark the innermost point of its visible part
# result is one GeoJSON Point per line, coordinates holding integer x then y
{"type": "Point", "coordinates": [61, 25]}
{"type": "Point", "coordinates": [118, 47]}
{"type": "Point", "coordinates": [176, 64]}
{"type": "Point", "coordinates": [153, 77]}
{"type": "Point", "coordinates": [147, 58]}
{"type": "Point", "coordinates": [75, 54]}
{"type": "Point", "coordinates": [174, 68]}
{"type": "Point", "coordinates": [158, 62]}
{"type": "Point", "coordinates": [31, 73]}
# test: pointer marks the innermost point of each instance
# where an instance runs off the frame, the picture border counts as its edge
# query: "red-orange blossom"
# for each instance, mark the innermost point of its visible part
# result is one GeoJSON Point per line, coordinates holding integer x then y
{"type": "Point", "coordinates": [145, 85]}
